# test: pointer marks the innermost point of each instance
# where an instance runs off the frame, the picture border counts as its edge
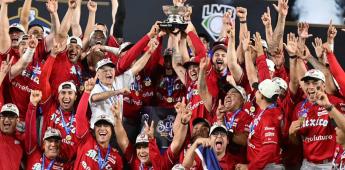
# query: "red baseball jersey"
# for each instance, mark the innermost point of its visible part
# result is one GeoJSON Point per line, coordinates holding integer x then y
{"type": "Point", "coordinates": [12, 152]}
{"type": "Point", "coordinates": [318, 134]}
{"type": "Point", "coordinates": [62, 120]}
{"type": "Point", "coordinates": [339, 158]}
{"type": "Point", "coordinates": [36, 160]}
{"type": "Point", "coordinates": [238, 122]}
{"type": "Point", "coordinates": [263, 139]}
{"type": "Point", "coordinates": [87, 155]}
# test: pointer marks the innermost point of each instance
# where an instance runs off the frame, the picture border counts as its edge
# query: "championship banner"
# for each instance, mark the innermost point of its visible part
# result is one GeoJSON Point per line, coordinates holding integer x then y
{"type": "Point", "coordinates": [164, 119]}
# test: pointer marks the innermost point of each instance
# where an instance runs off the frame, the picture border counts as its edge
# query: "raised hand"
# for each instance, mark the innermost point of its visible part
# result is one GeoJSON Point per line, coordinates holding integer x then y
{"type": "Point", "coordinates": [92, 6]}
{"type": "Point", "coordinates": [331, 33]}
{"type": "Point", "coordinates": [179, 2]}
{"type": "Point", "coordinates": [188, 14]}
{"type": "Point", "coordinates": [186, 116]}
{"type": "Point", "coordinates": [52, 6]}
{"type": "Point", "coordinates": [154, 30]}
{"type": "Point", "coordinates": [258, 44]}
{"type": "Point", "coordinates": [204, 62]}
{"type": "Point", "coordinates": [322, 99]}
{"type": "Point", "coordinates": [33, 42]}
{"type": "Point", "coordinates": [90, 84]}
{"type": "Point", "coordinates": [205, 142]}
{"type": "Point", "coordinates": [227, 17]}
{"type": "Point", "coordinates": [57, 48]}
{"type": "Point", "coordinates": [241, 13]}
{"type": "Point", "coordinates": [72, 4]}
{"type": "Point", "coordinates": [295, 126]}
{"type": "Point", "coordinates": [116, 110]}
{"type": "Point", "coordinates": [291, 44]}
{"type": "Point", "coordinates": [282, 7]}
{"type": "Point", "coordinates": [6, 65]}
{"type": "Point", "coordinates": [180, 106]}
{"type": "Point", "coordinates": [266, 17]}
{"type": "Point", "coordinates": [246, 41]}
{"type": "Point", "coordinates": [317, 44]}
{"type": "Point", "coordinates": [220, 112]}
{"type": "Point", "coordinates": [35, 97]}
{"type": "Point", "coordinates": [303, 29]}
{"type": "Point", "coordinates": [7, 1]}
{"type": "Point", "coordinates": [190, 27]}
{"type": "Point", "coordinates": [153, 44]}
{"type": "Point", "coordinates": [149, 130]}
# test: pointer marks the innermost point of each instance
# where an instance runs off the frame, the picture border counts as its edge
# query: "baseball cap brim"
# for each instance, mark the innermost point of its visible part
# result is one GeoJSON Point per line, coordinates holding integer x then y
{"type": "Point", "coordinates": [8, 113]}
{"type": "Point", "coordinates": [53, 137]}
{"type": "Point", "coordinates": [112, 65]}
{"type": "Point", "coordinates": [219, 47]}
{"type": "Point", "coordinates": [219, 128]}
{"type": "Point", "coordinates": [144, 144]}
{"type": "Point", "coordinates": [306, 78]}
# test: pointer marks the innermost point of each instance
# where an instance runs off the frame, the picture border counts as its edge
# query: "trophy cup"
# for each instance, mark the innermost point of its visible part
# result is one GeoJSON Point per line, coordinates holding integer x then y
{"type": "Point", "coordinates": [175, 21]}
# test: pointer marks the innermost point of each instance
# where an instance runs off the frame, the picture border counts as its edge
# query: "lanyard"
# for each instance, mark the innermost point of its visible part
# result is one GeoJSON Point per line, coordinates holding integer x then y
{"type": "Point", "coordinates": [77, 73]}
{"type": "Point", "coordinates": [50, 164]}
{"type": "Point", "coordinates": [303, 111]}
{"type": "Point", "coordinates": [232, 120]}
{"type": "Point", "coordinates": [102, 162]}
{"type": "Point", "coordinates": [142, 167]}
{"type": "Point", "coordinates": [256, 121]}
{"type": "Point", "coordinates": [170, 85]}
{"type": "Point", "coordinates": [104, 90]}
{"type": "Point", "coordinates": [64, 124]}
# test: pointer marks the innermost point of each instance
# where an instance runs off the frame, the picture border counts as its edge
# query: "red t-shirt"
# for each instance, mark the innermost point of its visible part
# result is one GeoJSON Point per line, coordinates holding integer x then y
{"type": "Point", "coordinates": [53, 118]}
{"type": "Point", "coordinates": [64, 70]}
{"type": "Point", "coordinates": [169, 90]}
{"type": "Point", "coordinates": [239, 122]}
{"type": "Point", "coordinates": [35, 161]}
{"type": "Point", "coordinates": [12, 152]}
{"type": "Point", "coordinates": [165, 161]}
{"type": "Point", "coordinates": [87, 155]}
{"type": "Point", "coordinates": [18, 89]}
{"type": "Point", "coordinates": [226, 163]}
{"type": "Point", "coordinates": [318, 134]}
{"type": "Point", "coordinates": [265, 131]}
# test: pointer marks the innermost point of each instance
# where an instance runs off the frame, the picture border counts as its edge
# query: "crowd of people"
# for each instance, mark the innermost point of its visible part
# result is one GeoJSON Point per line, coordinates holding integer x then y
{"type": "Point", "coordinates": [72, 99]}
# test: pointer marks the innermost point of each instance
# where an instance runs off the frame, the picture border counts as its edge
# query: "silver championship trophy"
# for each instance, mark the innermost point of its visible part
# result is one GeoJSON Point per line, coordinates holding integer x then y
{"type": "Point", "coordinates": [175, 21]}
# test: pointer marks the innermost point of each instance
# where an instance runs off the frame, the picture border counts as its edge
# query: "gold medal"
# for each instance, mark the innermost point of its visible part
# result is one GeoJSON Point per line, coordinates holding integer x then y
{"type": "Point", "coordinates": [301, 119]}
{"type": "Point", "coordinates": [169, 99]}
{"type": "Point", "coordinates": [147, 83]}
{"type": "Point", "coordinates": [68, 137]}
{"type": "Point", "coordinates": [252, 109]}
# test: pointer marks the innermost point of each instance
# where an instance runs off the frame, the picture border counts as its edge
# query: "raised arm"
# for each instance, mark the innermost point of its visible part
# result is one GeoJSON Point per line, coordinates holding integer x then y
{"type": "Point", "coordinates": [4, 28]}
{"type": "Point", "coordinates": [82, 124]}
{"type": "Point", "coordinates": [121, 135]}
{"type": "Point", "coordinates": [25, 59]}
{"type": "Point", "coordinates": [114, 7]}
{"type": "Point", "coordinates": [200, 50]}
{"type": "Point", "coordinates": [181, 131]}
{"type": "Point", "coordinates": [67, 20]}
{"type": "Point", "coordinates": [92, 7]}
{"type": "Point", "coordinates": [249, 62]}
{"type": "Point", "coordinates": [277, 37]}
{"type": "Point", "coordinates": [261, 63]}
{"type": "Point", "coordinates": [177, 58]}
{"type": "Point", "coordinates": [140, 64]}
{"type": "Point", "coordinates": [190, 154]}
{"type": "Point", "coordinates": [24, 15]}
{"type": "Point", "coordinates": [75, 26]}
{"type": "Point", "coordinates": [107, 94]}
{"type": "Point", "coordinates": [31, 142]}
{"type": "Point", "coordinates": [266, 20]}
{"type": "Point", "coordinates": [291, 49]}
{"type": "Point", "coordinates": [52, 7]}
{"type": "Point", "coordinates": [5, 68]}
{"type": "Point", "coordinates": [233, 65]}
{"type": "Point", "coordinates": [204, 93]}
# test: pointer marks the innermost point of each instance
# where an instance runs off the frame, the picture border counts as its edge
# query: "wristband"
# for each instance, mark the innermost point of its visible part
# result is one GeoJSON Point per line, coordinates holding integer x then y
{"type": "Point", "coordinates": [243, 22]}
{"type": "Point", "coordinates": [293, 57]}
{"type": "Point", "coordinates": [329, 107]}
{"type": "Point", "coordinates": [29, 53]}
{"type": "Point", "coordinates": [183, 123]}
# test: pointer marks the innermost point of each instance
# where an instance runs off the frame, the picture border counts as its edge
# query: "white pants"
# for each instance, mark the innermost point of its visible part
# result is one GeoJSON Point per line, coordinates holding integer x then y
{"type": "Point", "coordinates": [306, 165]}
{"type": "Point", "coordinates": [273, 166]}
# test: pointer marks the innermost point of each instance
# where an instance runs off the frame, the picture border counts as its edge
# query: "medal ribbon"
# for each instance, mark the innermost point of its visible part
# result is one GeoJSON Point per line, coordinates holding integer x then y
{"type": "Point", "coordinates": [78, 75]}
{"type": "Point", "coordinates": [50, 164]}
{"type": "Point", "coordinates": [64, 124]}
{"type": "Point", "coordinates": [256, 121]}
{"type": "Point", "coordinates": [303, 111]}
{"type": "Point", "coordinates": [170, 86]}
{"type": "Point", "coordinates": [112, 101]}
{"type": "Point", "coordinates": [102, 162]}
{"type": "Point", "coordinates": [232, 120]}
{"type": "Point", "coordinates": [142, 167]}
